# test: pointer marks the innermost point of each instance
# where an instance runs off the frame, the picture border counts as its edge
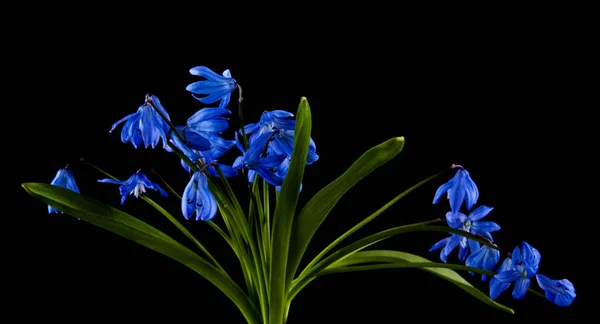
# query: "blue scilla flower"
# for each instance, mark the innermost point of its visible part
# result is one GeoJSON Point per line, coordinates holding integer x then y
{"type": "Point", "coordinates": [450, 243]}
{"type": "Point", "coordinates": [460, 188]}
{"type": "Point", "coordinates": [560, 292]}
{"type": "Point", "coordinates": [136, 185]}
{"type": "Point", "coordinates": [63, 178]}
{"type": "Point", "coordinates": [198, 199]}
{"type": "Point", "coordinates": [525, 263]}
{"type": "Point", "coordinates": [472, 223]}
{"type": "Point", "coordinates": [283, 143]}
{"type": "Point", "coordinates": [469, 224]}
{"type": "Point", "coordinates": [214, 88]}
{"type": "Point", "coordinates": [485, 258]}
{"type": "Point", "coordinates": [146, 125]}
{"type": "Point", "coordinates": [258, 159]}
{"type": "Point", "coordinates": [497, 286]}
{"type": "Point", "coordinates": [269, 121]}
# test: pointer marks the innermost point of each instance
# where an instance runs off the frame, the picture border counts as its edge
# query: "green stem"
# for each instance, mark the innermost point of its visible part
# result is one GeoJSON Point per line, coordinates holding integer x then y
{"type": "Point", "coordinates": [184, 231]}
{"type": "Point", "coordinates": [241, 117]}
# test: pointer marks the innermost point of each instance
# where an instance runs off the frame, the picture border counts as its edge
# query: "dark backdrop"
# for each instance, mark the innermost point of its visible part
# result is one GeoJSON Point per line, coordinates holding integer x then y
{"type": "Point", "coordinates": [506, 99]}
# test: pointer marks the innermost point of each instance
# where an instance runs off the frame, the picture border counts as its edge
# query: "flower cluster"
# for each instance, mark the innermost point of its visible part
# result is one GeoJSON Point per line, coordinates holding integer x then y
{"type": "Point", "coordinates": [519, 267]}
{"type": "Point", "coordinates": [200, 145]}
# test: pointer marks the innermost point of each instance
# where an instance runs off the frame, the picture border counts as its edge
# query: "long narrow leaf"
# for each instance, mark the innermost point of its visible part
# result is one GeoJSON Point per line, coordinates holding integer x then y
{"type": "Point", "coordinates": [397, 259]}
{"type": "Point", "coordinates": [362, 244]}
{"type": "Point", "coordinates": [284, 214]}
{"type": "Point", "coordinates": [318, 207]}
{"type": "Point", "coordinates": [367, 220]}
{"type": "Point", "coordinates": [127, 226]}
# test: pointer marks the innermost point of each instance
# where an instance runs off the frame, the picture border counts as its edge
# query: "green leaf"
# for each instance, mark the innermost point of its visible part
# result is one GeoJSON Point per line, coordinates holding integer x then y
{"type": "Point", "coordinates": [366, 221]}
{"type": "Point", "coordinates": [397, 259]}
{"type": "Point", "coordinates": [127, 226]}
{"type": "Point", "coordinates": [299, 283]}
{"type": "Point", "coordinates": [318, 207]}
{"type": "Point", "coordinates": [284, 214]}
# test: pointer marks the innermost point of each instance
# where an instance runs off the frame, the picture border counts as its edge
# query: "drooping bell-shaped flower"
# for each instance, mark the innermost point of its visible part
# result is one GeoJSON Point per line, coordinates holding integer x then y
{"type": "Point", "coordinates": [260, 160]}
{"type": "Point", "coordinates": [63, 178]}
{"type": "Point", "coordinates": [216, 87]}
{"type": "Point", "coordinates": [197, 199]}
{"type": "Point", "coordinates": [269, 121]}
{"type": "Point", "coordinates": [485, 258]}
{"type": "Point", "coordinates": [560, 292]}
{"type": "Point", "coordinates": [145, 126]}
{"type": "Point", "coordinates": [136, 185]}
{"type": "Point", "coordinates": [460, 188]}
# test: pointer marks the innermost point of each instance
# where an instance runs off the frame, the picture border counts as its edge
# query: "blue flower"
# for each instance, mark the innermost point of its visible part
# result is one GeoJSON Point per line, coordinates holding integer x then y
{"type": "Point", "coordinates": [146, 125]}
{"type": "Point", "coordinates": [63, 178]}
{"type": "Point", "coordinates": [283, 143]}
{"type": "Point", "coordinates": [560, 292]}
{"type": "Point", "coordinates": [484, 258]}
{"type": "Point", "coordinates": [525, 263]}
{"type": "Point", "coordinates": [269, 121]}
{"type": "Point", "coordinates": [471, 223]}
{"type": "Point", "coordinates": [258, 159]}
{"type": "Point", "coordinates": [198, 199]}
{"type": "Point", "coordinates": [497, 286]}
{"type": "Point", "coordinates": [460, 188]}
{"type": "Point", "coordinates": [136, 185]}
{"type": "Point", "coordinates": [215, 87]}
{"type": "Point", "coordinates": [451, 242]}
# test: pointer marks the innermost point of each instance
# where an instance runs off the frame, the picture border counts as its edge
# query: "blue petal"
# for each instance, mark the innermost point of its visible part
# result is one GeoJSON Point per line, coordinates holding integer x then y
{"type": "Point", "coordinates": [456, 220]}
{"type": "Point", "coordinates": [462, 253]}
{"type": "Point", "coordinates": [454, 241]}
{"type": "Point", "coordinates": [112, 181]}
{"type": "Point", "coordinates": [479, 213]}
{"type": "Point", "coordinates": [520, 289]}
{"type": "Point", "coordinates": [194, 140]}
{"type": "Point", "coordinates": [497, 286]}
{"type": "Point", "coordinates": [207, 73]}
{"type": "Point", "coordinates": [484, 227]}
{"type": "Point", "coordinates": [120, 121]}
{"type": "Point", "coordinates": [457, 193]}
{"type": "Point", "coordinates": [508, 275]}
{"type": "Point", "coordinates": [131, 127]}
{"type": "Point", "coordinates": [206, 114]}
{"type": "Point", "coordinates": [150, 133]}
{"type": "Point", "coordinates": [71, 185]}
{"type": "Point", "coordinates": [271, 161]}
{"type": "Point", "coordinates": [531, 256]}
{"type": "Point", "coordinates": [439, 244]}
{"type": "Point", "coordinates": [473, 245]}
{"type": "Point", "coordinates": [188, 200]}
{"type": "Point", "coordinates": [516, 255]}
{"type": "Point", "coordinates": [269, 176]}
{"type": "Point", "coordinates": [472, 193]}
{"type": "Point", "coordinates": [442, 190]}
{"type": "Point", "coordinates": [281, 114]}
{"type": "Point", "coordinates": [227, 171]}
{"type": "Point", "coordinates": [208, 208]}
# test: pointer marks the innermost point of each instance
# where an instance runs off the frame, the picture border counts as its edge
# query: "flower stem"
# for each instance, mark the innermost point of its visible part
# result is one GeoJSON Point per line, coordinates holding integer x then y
{"type": "Point", "coordinates": [241, 117]}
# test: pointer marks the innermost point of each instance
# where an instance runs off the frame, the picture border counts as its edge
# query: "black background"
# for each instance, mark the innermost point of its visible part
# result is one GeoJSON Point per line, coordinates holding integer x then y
{"type": "Point", "coordinates": [508, 97]}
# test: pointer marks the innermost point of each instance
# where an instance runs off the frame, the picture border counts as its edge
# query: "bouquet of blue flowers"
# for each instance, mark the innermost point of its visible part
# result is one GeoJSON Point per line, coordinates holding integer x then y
{"type": "Point", "coordinates": [271, 235]}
